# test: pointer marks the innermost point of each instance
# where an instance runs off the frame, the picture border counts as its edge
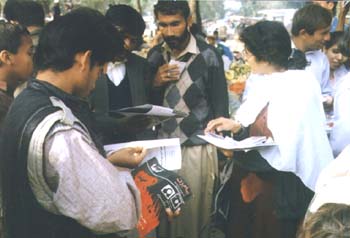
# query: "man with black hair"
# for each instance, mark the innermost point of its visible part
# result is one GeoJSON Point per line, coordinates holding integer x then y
{"type": "Point", "coordinates": [57, 181]}
{"type": "Point", "coordinates": [310, 30]}
{"type": "Point", "coordinates": [127, 81]}
{"type": "Point", "coordinates": [189, 77]}
{"type": "Point", "coordinates": [29, 14]}
{"type": "Point", "coordinates": [16, 64]}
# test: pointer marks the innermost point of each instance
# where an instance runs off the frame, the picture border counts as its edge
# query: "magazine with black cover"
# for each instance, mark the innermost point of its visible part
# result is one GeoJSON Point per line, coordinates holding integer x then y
{"type": "Point", "coordinates": [158, 188]}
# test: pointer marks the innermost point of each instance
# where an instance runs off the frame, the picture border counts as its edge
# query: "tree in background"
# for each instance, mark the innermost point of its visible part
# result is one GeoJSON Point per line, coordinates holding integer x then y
{"type": "Point", "coordinates": [212, 9]}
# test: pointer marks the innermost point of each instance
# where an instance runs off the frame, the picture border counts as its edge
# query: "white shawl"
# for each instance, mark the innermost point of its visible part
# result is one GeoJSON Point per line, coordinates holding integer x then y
{"type": "Point", "coordinates": [296, 120]}
{"type": "Point", "coordinates": [332, 184]}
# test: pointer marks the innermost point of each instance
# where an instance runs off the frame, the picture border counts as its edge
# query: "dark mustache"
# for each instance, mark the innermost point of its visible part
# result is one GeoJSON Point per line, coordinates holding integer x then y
{"type": "Point", "coordinates": [171, 38]}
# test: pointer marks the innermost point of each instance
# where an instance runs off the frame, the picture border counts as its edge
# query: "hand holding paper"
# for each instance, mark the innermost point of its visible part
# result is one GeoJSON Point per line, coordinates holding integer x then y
{"type": "Point", "coordinates": [166, 73]}
{"type": "Point", "coordinates": [223, 124]}
{"type": "Point", "coordinates": [129, 157]}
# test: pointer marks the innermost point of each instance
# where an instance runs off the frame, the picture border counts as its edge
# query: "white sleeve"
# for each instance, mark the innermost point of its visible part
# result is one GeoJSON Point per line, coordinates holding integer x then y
{"type": "Point", "coordinates": [326, 86]}
{"type": "Point", "coordinates": [90, 189]}
{"type": "Point", "coordinates": [340, 135]}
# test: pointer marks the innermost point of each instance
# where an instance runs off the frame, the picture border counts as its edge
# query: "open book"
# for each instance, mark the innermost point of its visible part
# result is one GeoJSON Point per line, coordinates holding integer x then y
{"type": "Point", "coordinates": [152, 113]}
{"type": "Point", "coordinates": [167, 151]}
{"type": "Point", "coordinates": [228, 143]}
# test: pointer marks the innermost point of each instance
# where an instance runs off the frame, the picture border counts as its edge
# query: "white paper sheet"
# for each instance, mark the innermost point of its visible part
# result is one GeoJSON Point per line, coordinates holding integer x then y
{"type": "Point", "coordinates": [167, 151]}
{"type": "Point", "coordinates": [228, 143]}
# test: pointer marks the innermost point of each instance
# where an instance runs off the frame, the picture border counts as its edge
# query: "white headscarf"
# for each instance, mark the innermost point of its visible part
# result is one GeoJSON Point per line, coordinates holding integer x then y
{"type": "Point", "coordinates": [333, 183]}
{"type": "Point", "coordinates": [296, 120]}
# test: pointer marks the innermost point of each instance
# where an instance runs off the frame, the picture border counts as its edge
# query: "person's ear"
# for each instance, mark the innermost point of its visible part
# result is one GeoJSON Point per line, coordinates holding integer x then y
{"type": "Point", "coordinates": [5, 57]}
{"type": "Point", "coordinates": [83, 59]}
{"type": "Point", "coordinates": [189, 22]}
{"type": "Point", "coordinates": [303, 33]}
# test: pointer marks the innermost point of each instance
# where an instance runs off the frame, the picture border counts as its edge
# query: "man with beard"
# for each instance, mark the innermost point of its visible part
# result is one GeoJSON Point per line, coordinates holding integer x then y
{"type": "Point", "coordinates": [189, 77]}
{"type": "Point", "coordinates": [310, 31]}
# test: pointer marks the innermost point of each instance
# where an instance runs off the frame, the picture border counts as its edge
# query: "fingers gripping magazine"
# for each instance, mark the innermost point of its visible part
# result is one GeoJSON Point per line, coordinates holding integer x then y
{"type": "Point", "coordinates": [159, 188]}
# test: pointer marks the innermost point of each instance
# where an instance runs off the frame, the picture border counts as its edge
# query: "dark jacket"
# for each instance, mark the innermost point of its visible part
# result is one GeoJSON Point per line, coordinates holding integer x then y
{"type": "Point", "coordinates": [23, 216]}
{"type": "Point", "coordinates": [138, 74]}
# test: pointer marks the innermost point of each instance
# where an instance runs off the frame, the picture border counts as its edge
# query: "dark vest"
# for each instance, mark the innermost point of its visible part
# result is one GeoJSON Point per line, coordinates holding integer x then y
{"type": "Point", "coordinates": [23, 216]}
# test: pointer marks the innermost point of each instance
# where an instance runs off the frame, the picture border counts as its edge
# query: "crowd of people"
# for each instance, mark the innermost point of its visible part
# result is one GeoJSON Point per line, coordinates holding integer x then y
{"type": "Point", "coordinates": [60, 80]}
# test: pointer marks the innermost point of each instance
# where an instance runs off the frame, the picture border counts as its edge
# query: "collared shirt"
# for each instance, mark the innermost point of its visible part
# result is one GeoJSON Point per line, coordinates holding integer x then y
{"type": "Point", "coordinates": [116, 72]}
{"type": "Point", "coordinates": [319, 66]}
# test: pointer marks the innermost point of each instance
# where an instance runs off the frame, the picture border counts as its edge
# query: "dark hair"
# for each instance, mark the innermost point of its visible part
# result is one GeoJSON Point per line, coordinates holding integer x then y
{"type": "Point", "coordinates": [334, 9]}
{"type": "Point", "coordinates": [329, 221]}
{"type": "Point", "coordinates": [311, 17]}
{"type": "Point", "coordinates": [10, 10]}
{"type": "Point", "coordinates": [167, 7]}
{"type": "Point", "coordinates": [333, 39]}
{"type": "Point", "coordinates": [26, 13]}
{"type": "Point", "coordinates": [127, 19]}
{"type": "Point", "coordinates": [344, 44]}
{"type": "Point", "coordinates": [31, 13]}
{"type": "Point", "coordinates": [11, 36]}
{"type": "Point", "coordinates": [268, 41]}
{"type": "Point", "coordinates": [78, 31]}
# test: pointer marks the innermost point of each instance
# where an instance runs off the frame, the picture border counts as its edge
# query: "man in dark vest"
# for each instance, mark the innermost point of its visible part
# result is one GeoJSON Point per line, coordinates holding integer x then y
{"type": "Point", "coordinates": [57, 181]}
{"type": "Point", "coordinates": [127, 81]}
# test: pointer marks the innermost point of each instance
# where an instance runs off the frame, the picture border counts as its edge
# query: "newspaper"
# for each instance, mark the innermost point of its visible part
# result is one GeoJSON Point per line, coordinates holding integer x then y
{"type": "Point", "coordinates": [228, 143]}
{"type": "Point", "coordinates": [167, 151]}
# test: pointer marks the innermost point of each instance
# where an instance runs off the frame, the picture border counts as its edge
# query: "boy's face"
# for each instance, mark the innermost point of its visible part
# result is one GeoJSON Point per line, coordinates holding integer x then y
{"type": "Point", "coordinates": [317, 40]}
{"type": "Point", "coordinates": [22, 61]}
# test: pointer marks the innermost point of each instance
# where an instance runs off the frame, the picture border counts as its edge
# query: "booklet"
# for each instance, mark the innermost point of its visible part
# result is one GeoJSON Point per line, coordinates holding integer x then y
{"type": "Point", "coordinates": [148, 115]}
{"type": "Point", "coordinates": [158, 188]}
{"type": "Point", "coordinates": [228, 143]}
{"type": "Point", "coordinates": [167, 151]}
{"type": "Point", "coordinates": [149, 109]}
